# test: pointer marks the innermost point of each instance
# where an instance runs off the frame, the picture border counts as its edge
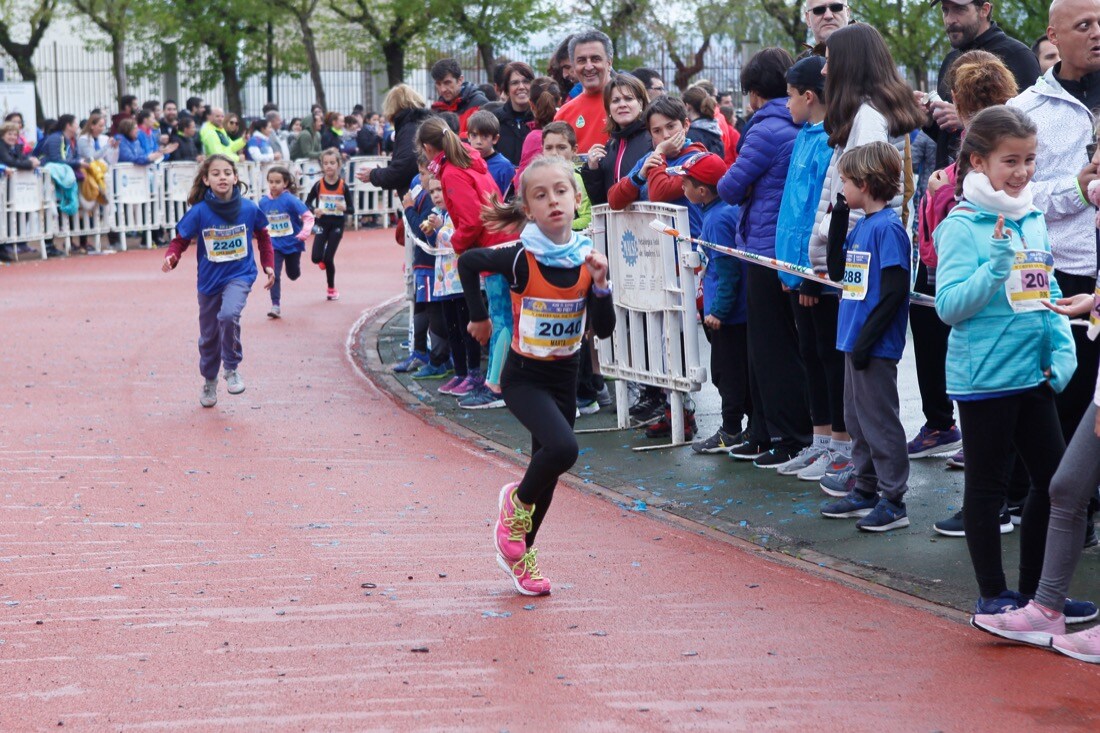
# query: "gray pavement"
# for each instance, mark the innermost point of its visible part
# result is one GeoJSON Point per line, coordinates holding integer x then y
{"type": "Point", "coordinates": [776, 512]}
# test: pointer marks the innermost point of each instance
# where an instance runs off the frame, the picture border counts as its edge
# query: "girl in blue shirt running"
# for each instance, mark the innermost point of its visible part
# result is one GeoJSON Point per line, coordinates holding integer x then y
{"type": "Point", "coordinates": [225, 225]}
{"type": "Point", "coordinates": [289, 222]}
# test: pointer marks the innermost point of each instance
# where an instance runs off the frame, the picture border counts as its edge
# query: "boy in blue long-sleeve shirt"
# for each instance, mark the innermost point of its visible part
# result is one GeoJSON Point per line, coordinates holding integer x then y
{"type": "Point", "coordinates": [724, 309]}
{"type": "Point", "coordinates": [483, 130]}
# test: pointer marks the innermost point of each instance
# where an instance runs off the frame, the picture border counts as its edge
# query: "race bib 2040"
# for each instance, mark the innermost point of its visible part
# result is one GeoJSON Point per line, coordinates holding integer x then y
{"type": "Point", "coordinates": [226, 244]}
{"type": "Point", "coordinates": [550, 329]}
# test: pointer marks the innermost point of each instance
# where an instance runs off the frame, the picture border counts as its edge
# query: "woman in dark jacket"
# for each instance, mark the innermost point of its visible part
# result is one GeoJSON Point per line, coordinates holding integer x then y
{"type": "Point", "coordinates": [405, 109]}
{"type": "Point", "coordinates": [625, 100]}
{"type": "Point", "coordinates": [11, 151]}
{"type": "Point", "coordinates": [516, 119]}
{"type": "Point", "coordinates": [332, 134]}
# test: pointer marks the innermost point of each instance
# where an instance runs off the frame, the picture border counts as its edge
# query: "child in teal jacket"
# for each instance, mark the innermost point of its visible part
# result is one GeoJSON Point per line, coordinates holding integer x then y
{"type": "Point", "coordinates": [1008, 353]}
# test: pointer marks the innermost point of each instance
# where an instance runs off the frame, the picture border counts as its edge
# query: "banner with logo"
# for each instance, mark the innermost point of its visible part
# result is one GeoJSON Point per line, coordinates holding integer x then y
{"type": "Point", "coordinates": [18, 96]}
{"type": "Point", "coordinates": [634, 257]}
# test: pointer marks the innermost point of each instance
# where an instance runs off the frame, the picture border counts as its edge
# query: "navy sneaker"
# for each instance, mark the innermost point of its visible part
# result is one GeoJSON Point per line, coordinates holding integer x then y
{"type": "Point", "coordinates": [886, 515]}
{"type": "Point", "coordinates": [432, 371]}
{"type": "Point", "coordinates": [840, 484]}
{"type": "Point", "coordinates": [931, 442]}
{"type": "Point", "coordinates": [748, 450]}
{"type": "Point", "coordinates": [1076, 612]}
{"type": "Point", "coordinates": [410, 363]}
{"type": "Point", "coordinates": [1009, 600]}
{"type": "Point", "coordinates": [854, 504]}
{"type": "Point", "coordinates": [776, 457]}
{"type": "Point", "coordinates": [953, 526]}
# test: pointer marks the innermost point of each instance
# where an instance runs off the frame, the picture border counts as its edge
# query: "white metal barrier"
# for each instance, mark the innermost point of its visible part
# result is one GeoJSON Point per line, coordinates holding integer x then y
{"type": "Point", "coordinates": [309, 172]}
{"type": "Point", "coordinates": [175, 185]}
{"type": "Point", "coordinates": [656, 340]}
{"type": "Point", "coordinates": [368, 199]}
{"type": "Point", "coordinates": [25, 218]}
{"type": "Point", "coordinates": [137, 198]}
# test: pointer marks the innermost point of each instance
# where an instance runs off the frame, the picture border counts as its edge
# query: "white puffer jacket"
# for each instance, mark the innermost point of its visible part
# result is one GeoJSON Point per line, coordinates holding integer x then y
{"type": "Point", "coordinates": [1065, 129]}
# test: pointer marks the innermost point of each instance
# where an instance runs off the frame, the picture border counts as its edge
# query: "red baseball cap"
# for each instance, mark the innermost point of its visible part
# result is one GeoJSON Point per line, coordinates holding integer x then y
{"type": "Point", "coordinates": [706, 168]}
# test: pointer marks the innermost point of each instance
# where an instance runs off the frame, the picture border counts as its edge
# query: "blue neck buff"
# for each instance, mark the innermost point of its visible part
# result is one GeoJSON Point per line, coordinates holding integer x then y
{"type": "Point", "coordinates": [230, 210]}
{"type": "Point", "coordinates": [552, 254]}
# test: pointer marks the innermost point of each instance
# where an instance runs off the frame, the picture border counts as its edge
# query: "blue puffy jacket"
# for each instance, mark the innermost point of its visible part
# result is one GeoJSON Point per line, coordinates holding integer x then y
{"type": "Point", "coordinates": [797, 212]}
{"type": "Point", "coordinates": [755, 181]}
{"type": "Point", "coordinates": [992, 349]}
{"type": "Point", "coordinates": [132, 151]}
{"type": "Point", "coordinates": [724, 278]}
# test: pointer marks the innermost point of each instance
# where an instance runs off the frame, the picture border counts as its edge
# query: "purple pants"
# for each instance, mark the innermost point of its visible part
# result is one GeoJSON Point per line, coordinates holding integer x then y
{"type": "Point", "coordinates": [220, 328]}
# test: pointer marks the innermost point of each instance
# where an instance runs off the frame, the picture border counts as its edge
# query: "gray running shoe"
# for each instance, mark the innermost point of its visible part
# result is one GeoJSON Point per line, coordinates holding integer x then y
{"type": "Point", "coordinates": [209, 393]}
{"type": "Point", "coordinates": [234, 383]}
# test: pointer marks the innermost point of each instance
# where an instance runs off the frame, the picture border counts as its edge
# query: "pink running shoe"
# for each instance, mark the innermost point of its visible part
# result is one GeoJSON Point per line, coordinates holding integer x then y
{"type": "Point", "coordinates": [513, 524]}
{"type": "Point", "coordinates": [450, 384]}
{"type": "Point", "coordinates": [468, 385]}
{"type": "Point", "coordinates": [333, 294]}
{"type": "Point", "coordinates": [1031, 624]}
{"type": "Point", "coordinates": [1084, 645]}
{"type": "Point", "coordinates": [525, 574]}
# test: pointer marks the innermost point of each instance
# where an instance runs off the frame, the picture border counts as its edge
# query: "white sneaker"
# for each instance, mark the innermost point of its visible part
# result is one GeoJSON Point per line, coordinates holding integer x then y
{"type": "Point", "coordinates": [805, 457]}
{"type": "Point", "coordinates": [274, 312]}
{"type": "Point", "coordinates": [234, 383]}
{"type": "Point", "coordinates": [816, 470]}
{"type": "Point", "coordinates": [209, 393]}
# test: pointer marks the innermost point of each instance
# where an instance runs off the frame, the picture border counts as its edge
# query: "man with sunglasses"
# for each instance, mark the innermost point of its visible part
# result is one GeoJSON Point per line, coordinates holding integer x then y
{"type": "Point", "coordinates": [969, 26]}
{"type": "Point", "coordinates": [825, 16]}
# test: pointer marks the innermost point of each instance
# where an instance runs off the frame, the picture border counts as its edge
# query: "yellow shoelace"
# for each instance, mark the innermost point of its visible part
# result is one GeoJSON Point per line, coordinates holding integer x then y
{"type": "Point", "coordinates": [519, 524]}
{"type": "Point", "coordinates": [530, 564]}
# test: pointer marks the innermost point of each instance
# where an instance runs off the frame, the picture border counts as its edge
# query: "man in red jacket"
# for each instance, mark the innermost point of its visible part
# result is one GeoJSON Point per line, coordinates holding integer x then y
{"type": "Point", "coordinates": [591, 53]}
{"type": "Point", "coordinates": [455, 93]}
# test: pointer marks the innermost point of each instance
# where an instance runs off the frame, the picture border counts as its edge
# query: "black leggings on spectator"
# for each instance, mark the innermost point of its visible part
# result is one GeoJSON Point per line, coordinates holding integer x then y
{"type": "Point", "coordinates": [325, 243]}
{"type": "Point", "coordinates": [543, 397]}
{"type": "Point", "coordinates": [991, 428]}
{"type": "Point", "coordinates": [824, 364]}
{"type": "Point", "coordinates": [465, 350]}
{"type": "Point", "coordinates": [930, 353]}
{"type": "Point", "coordinates": [429, 319]}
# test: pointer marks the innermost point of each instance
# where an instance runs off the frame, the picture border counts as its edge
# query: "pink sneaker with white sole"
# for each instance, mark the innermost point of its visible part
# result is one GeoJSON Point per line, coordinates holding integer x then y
{"type": "Point", "coordinates": [525, 574]}
{"type": "Point", "coordinates": [1031, 624]}
{"type": "Point", "coordinates": [1083, 646]}
{"type": "Point", "coordinates": [449, 385]}
{"type": "Point", "coordinates": [513, 524]}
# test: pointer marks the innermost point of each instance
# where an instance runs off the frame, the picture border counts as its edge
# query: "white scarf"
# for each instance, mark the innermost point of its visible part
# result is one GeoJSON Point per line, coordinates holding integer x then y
{"type": "Point", "coordinates": [978, 189]}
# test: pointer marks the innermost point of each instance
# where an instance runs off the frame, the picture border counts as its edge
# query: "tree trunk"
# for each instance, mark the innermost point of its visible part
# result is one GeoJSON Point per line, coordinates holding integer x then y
{"type": "Point", "coordinates": [314, 62]}
{"type": "Point", "coordinates": [118, 60]}
{"type": "Point", "coordinates": [394, 53]}
{"type": "Point", "coordinates": [485, 51]}
{"type": "Point", "coordinates": [232, 82]}
{"type": "Point", "coordinates": [27, 71]}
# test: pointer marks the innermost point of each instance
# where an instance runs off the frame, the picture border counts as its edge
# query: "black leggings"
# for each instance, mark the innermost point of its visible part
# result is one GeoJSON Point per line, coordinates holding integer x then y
{"type": "Point", "coordinates": [991, 429]}
{"type": "Point", "coordinates": [325, 243]}
{"type": "Point", "coordinates": [428, 318]}
{"type": "Point", "coordinates": [465, 350]}
{"type": "Point", "coordinates": [930, 353]}
{"type": "Point", "coordinates": [543, 397]}
{"type": "Point", "coordinates": [824, 364]}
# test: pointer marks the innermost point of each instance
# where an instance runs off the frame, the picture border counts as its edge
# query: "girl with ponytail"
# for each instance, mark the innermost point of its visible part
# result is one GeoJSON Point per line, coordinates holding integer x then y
{"type": "Point", "coordinates": [556, 282]}
{"type": "Point", "coordinates": [466, 187]}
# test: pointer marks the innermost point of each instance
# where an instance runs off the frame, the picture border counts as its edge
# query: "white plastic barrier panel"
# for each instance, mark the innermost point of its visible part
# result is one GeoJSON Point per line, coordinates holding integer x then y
{"type": "Point", "coordinates": [25, 212]}
{"type": "Point", "coordinates": [136, 198]}
{"type": "Point", "coordinates": [177, 179]}
{"type": "Point", "coordinates": [309, 172]}
{"type": "Point", "coordinates": [368, 199]}
{"type": "Point", "coordinates": [656, 340]}
{"type": "Point", "coordinates": [249, 174]}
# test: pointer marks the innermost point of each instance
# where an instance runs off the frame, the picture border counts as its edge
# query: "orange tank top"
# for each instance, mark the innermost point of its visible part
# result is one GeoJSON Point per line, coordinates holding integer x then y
{"type": "Point", "coordinates": [548, 321]}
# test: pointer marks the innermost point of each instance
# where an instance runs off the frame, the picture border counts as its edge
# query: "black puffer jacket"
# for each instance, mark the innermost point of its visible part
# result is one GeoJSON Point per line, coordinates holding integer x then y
{"type": "Point", "coordinates": [399, 173]}
{"type": "Point", "coordinates": [514, 128]}
{"type": "Point", "coordinates": [637, 144]}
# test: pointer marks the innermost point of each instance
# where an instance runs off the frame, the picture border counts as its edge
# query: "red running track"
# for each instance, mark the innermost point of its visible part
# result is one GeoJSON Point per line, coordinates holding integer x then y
{"type": "Point", "coordinates": [167, 567]}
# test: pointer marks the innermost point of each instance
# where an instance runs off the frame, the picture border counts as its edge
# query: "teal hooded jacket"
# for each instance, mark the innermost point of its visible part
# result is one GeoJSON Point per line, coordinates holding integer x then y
{"type": "Point", "coordinates": [992, 349]}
